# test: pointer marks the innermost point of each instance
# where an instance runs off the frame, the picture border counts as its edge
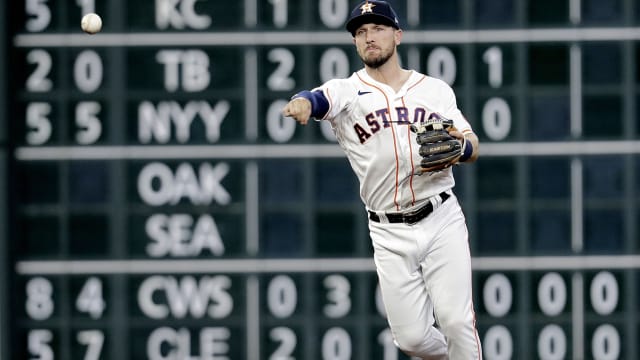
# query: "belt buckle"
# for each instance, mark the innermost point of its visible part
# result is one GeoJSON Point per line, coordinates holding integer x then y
{"type": "Point", "coordinates": [412, 217]}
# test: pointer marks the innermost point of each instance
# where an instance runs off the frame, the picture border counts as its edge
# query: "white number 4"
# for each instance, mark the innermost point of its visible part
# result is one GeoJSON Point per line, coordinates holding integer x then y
{"type": "Point", "coordinates": [90, 298]}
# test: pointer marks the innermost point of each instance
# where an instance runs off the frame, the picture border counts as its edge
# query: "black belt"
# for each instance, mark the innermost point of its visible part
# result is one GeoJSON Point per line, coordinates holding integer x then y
{"type": "Point", "coordinates": [410, 217]}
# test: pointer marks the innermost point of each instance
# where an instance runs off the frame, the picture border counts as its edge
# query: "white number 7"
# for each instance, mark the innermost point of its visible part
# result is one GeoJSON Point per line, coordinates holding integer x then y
{"type": "Point", "coordinates": [93, 339]}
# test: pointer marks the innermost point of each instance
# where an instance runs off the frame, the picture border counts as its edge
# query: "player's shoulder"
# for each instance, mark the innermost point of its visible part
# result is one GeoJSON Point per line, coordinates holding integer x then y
{"type": "Point", "coordinates": [342, 85]}
{"type": "Point", "coordinates": [434, 85]}
{"type": "Point", "coordinates": [350, 81]}
{"type": "Point", "coordinates": [435, 82]}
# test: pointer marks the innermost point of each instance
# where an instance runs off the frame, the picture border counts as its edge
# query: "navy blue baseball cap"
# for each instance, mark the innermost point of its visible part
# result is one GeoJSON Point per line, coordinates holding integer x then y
{"type": "Point", "coordinates": [372, 11]}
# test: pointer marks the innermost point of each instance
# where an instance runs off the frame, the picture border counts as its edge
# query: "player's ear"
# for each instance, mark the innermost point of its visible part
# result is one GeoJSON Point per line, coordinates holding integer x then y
{"type": "Point", "coordinates": [398, 36]}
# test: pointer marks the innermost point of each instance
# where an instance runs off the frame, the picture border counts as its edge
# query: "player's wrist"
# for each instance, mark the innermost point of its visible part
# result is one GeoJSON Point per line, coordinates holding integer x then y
{"type": "Point", "coordinates": [467, 150]}
{"type": "Point", "coordinates": [319, 103]}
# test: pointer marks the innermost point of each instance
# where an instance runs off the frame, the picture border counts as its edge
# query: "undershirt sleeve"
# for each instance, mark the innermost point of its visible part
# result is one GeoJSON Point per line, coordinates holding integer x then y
{"type": "Point", "coordinates": [319, 103]}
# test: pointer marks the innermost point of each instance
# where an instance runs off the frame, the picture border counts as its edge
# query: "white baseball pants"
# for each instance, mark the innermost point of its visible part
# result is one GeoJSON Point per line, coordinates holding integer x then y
{"type": "Point", "coordinates": [424, 271]}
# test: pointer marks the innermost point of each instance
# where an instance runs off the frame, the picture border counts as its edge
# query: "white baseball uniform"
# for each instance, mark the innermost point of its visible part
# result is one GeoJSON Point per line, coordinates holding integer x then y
{"type": "Point", "coordinates": [423, 268]}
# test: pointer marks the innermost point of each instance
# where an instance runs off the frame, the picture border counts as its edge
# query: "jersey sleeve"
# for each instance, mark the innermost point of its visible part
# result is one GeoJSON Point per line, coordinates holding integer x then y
{"type": "Point", "coordinates": [451, 110]}
{"type": "Point", "coordinates": [338, 95]}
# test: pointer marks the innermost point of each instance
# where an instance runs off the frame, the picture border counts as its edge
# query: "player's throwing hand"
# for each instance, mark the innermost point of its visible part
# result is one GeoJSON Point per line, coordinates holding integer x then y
{"type": "Point", "coordinates": [299, 109]}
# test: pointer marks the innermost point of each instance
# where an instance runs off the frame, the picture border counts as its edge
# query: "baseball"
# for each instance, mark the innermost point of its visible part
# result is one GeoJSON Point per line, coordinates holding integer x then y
{"type": "Point", "coordinates": [91, 23]}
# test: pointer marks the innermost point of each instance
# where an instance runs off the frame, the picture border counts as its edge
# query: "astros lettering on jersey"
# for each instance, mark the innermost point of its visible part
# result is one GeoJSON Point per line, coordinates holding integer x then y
{"type": "Point", "coordinates": [382, 136]}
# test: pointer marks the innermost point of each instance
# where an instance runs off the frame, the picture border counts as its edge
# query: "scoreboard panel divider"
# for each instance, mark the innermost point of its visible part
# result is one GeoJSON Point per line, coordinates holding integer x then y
{"type": "Point", "coordinates": [5, 264]}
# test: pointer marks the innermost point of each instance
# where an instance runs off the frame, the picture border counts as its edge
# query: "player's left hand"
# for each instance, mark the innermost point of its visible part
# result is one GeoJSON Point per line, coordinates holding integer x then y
{"type": "Point", "coordinates": [440, 143]}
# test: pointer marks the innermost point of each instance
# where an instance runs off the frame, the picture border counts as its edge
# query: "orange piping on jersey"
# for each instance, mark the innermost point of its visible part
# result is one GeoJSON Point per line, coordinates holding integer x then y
{"type": "Point", "coordinates": [417, 82]}
{"type": "Point", "coordinates": [413, 194]}
{"type": "Point", "coordinates": [395, 145]}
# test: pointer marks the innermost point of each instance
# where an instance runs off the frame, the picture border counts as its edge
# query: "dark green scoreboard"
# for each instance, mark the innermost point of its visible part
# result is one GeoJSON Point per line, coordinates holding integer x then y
{"type": "Point", "coordinates": [155, 204]}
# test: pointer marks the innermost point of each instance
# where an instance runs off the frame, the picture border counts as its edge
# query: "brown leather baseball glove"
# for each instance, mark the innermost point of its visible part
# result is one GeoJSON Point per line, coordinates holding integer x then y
{"type": "Point", "coordinates": [439, 150]}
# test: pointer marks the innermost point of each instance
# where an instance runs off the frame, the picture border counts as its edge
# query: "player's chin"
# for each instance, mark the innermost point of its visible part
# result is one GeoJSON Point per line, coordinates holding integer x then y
{"type": "Point", "coordinates": [374, 61]}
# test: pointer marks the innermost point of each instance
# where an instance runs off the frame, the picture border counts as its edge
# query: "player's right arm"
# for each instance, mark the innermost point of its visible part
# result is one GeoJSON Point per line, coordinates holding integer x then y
{"type": "Point", "coordinates": [307, 104]}
{"type": "Point", "coordinates": [299, 109]}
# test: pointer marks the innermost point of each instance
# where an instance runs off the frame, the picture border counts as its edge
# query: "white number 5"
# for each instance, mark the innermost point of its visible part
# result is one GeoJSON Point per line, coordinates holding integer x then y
{"type": "Point", "coordinates": [41, 15]}
{"type": "Point", "coordinates": [38, 344]}
{"type": "Point", "coordinates": [89, 125]}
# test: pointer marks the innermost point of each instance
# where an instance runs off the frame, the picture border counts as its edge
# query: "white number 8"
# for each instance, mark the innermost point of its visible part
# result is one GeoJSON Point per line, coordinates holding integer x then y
{"type": "Point", "coordinates": [39, 303]}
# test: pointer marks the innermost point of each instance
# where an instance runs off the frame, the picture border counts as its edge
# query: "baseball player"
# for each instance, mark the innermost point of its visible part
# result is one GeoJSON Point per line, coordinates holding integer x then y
{"type": "Point", "coordinates": [402, 131]}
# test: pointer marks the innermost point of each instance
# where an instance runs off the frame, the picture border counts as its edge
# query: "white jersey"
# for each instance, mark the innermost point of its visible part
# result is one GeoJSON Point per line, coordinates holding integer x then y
{"type": "Point", "coordinates": [371, 122]}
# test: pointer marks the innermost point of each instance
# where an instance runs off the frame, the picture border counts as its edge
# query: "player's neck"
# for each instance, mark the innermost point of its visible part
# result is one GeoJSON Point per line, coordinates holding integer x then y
{"type": "Point", "coordinates": [389, 73]}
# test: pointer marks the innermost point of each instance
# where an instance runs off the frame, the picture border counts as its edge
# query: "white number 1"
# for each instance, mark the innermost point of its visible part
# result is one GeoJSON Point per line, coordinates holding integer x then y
{"type": "Point", "coordinates": [493, 57]}
{"type": "Point", "coordinates": [86, 6]}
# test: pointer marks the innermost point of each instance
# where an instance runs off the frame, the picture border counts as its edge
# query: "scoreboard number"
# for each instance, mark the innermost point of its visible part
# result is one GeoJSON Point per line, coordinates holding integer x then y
{"type": "Point", "coordinates": [88, 71]}
{"type": "Point", "coordinates": [39, 302]}
{"type": "Point", "coordinates": [94, 341]}
{"type": "Point", "coordinates": [38, 345]}
{"type": "Point", "coordinates": [606, 343]}
{"type": "Point", "coordinates": [496, 119]}
{"type": "Point", "coordinates": [86, 6]}
{"type": "Point", "coordinates": [497, 343]}
{"type": "Point", "coordinates": [493, 58]}
{"type": "Point", "coordinates": [338, 294]}
{"type": "Point", "coordinates": [280, 13]}
{"type": "Point", "coordinates": [336, 344]}
{"type": "Point", "coordinates": [282, 296]}
{"type": "Point", "coordinates": [552, 343]}
{"type": "Point", "coordinates": [334, 64]}
{"type": "Point", "coordinates": [90, 299]}
{"type": "Point", "coordinates": [39, 80]}
{"type": "Point", "coordinates": [88, 122]}
{"type": "Point", "coordinates": [39, 15]}
{"type": "Point", "coordinates": [287, 341]}
{"type": "Point", "coordinates": [441, 64]}
{"type": "Point", "coordinates": [604, 293]}
{"type": "Point", "coordinates": [280, 79]}
{"type": "Point", "coordinates": [38, 122]}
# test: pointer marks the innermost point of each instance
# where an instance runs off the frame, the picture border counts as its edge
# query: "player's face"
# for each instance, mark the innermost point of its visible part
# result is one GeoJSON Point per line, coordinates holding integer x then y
{"type": "Point", "coordinates": [376, 43]}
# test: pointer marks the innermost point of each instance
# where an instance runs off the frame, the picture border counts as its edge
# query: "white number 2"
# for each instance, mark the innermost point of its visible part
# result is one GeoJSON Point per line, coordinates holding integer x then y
{"type": "Point", "coordinates": [38, 81]}
{"type": "Point", "coordinates": [281, 79]}
{"type": "Point", "coordinates": [287, 339]}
